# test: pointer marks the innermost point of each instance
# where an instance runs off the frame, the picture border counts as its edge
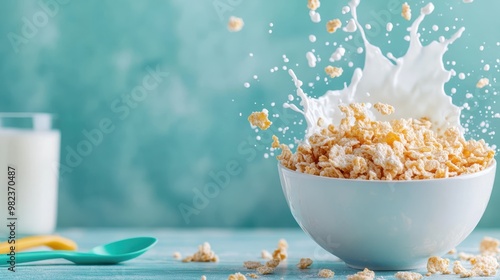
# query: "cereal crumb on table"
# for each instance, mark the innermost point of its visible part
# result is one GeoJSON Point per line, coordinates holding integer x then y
{"type": "Point", "coordinates": [177, 255]}
{"type": "Point", "coordinates": [203, 277]}
{"type": "Point", "coordinates": [333, 25]}
{"type": "Point", "coordinates": [366, 274]}
{"type": "Point", "coordinates": [326, 273]}
{"type": "Point", "coordinates": [265, 269]}
{"type": "Point", "coordinates": [281, 252]}
{"type": "Point", "coordinates": [465, 257]}
{"type": "Point", "coordinates": [266, 255]}
{"type": "Point", "coordinates": [260, 119]}
{"type": "Point", "coordinates": [384, 109]}
{"type": "Point", "coordinates": [313, 4]}
{"type": "Point", "coordinates": [236, 276]}
{"type": "Point", "coordinates": [235, 24]}
{"type": "Point", "coordinates": [482, 82]}
{"type": "Point", "coordinates": [333, 72]}
{"type": "Point", "coordinates": [251, 264]}
{"type": "Point", "coordinates": [489, 246]}
{"type": "Point", "coordinates": [436, 264]}
{"type": "Point", "coordinates": [484, 265]}
{"type": "Point", "coordinates": [401, 149]}
{"type": "Point", "coordinates": [462, 271]}
{"type": "Point", "coordinates": [253, 275]}
{"type": "Point", "coordinates": [204, 254]}
{"type": "Point", "coordinates": [406, 11]}
{"type": "Point", "coordinates": [407, 275]}
{"type": "Point", "coordinates": [273, 263]}
{"type": "Point", "coordinates": [452, 251]}
{"type": "Point", "coordinates": [304, 263]}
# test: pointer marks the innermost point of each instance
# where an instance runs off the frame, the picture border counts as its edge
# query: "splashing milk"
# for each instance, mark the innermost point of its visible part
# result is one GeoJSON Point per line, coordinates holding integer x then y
{"type": "Point", "coordinates": [413, 83]}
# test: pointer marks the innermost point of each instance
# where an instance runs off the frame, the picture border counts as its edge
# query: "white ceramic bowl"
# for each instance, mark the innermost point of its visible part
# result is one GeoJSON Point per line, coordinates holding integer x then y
{"type": "Point", "coordinates": [387, 225]}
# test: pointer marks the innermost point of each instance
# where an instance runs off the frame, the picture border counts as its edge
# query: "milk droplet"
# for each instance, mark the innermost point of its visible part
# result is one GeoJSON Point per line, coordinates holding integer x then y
{"type": "Point", "coordinates": [389, 27]}
{"type": "Point", "coordinates": [315, 16]}
{"type": "Point", "coordinates": [461, 76]}
{"type": "Point", "coordinates": [250, 54]}
{"type": "Point", "coordinates": [407, 38]}
{"type": "Point", "coordinates": [337, 54]}
{"type": "Point", "coordinates": [270, 31]}
{"type": "Point", "coordinates": [351, 26]}
{"type": "Point", "coordinates": [271, 24]}
{"type": "Point", "coordinates": [360, 50]}
{"type": "Point", "coordinates": [350, 64]}
{"type": "Point", "coordinates": [255, 77]}
{"type": "Point", "coordinates": [486, 67]}
{"type": "Point", "coordinates": [290, 97]}
{"type": "Point", "coordinates": [481, 48]}
{"type": "Point", "coordinates": [273, 104]}
{"type": "Point", "coordinates": [258, 138]}
{"type": "Point", "coordinates": [453, 90]}
{"type": "Point", "coordinates": [312, 38]}
{"type": "Point", "coordinates": [468, 1]}
{"type": "Point", "coordinates": [368, 26]}
{"type": "Point", "coordinates": [435, 27]}
{"type": "Point", "coordinates": [247, 85]}
{"type": "Point", "coordinates": [266, 155]}
{"type": "Point", "coordinates": [345, 10]}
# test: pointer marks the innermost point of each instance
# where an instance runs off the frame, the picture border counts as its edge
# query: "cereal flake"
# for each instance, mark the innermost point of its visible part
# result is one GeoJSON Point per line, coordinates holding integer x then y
{"type": "Point", "coordinates": [482, 82]}
{"type": "Point", "coordinates": [366, 274]}
{"type": "Point", "coordinates": [237, 276]}
{"type": "Point", "coordinates": [407, 275]}
{"type": "Point", "coordinates": [252, 265]}
{"type": "Point", "coordinates": [333, 72]}
{"type": "Point", "coordinates": [462, 271]}
{"type": "Point", "coordinates": [406, 11]}
{"type": "Point", "coordinates": [438, 265]}
{"type": "Point", "coordinates": [204, 254]}
{"type": "Point", "coordinates": [304, 263]}
{"type": "Point", "coordinates": [333, 25]}
{"type": "Point", "coordinates": [313, 4]}
{"type": "Point", "coordinates": [326, 273]}
{"type": "Point", "coordinates": [235, 24]}
{"type": "Point", "coordinates": [260, 119]}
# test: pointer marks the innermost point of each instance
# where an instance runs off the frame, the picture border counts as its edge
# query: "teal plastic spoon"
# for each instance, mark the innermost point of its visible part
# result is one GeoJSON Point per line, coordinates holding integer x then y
{"type": "Point", "coordinates": [111, 253]}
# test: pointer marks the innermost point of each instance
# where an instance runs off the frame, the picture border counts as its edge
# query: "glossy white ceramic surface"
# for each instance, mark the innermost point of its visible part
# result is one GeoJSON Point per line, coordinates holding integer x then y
{"type": "Point", "coordinates": [387, 225]}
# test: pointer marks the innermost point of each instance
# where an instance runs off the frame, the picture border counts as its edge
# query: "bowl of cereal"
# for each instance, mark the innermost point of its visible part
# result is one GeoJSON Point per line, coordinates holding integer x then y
{"type": "Point", "coordinates": [387, 201]}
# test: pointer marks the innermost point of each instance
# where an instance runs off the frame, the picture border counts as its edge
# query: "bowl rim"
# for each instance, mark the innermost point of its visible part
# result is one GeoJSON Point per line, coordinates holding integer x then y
{"type": "Point", "coordinates": [460, 177]}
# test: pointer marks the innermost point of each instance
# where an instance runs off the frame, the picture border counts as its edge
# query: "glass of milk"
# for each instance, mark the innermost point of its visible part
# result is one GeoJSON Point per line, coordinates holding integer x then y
{"type": "Point", "coordinates": [29, 174]}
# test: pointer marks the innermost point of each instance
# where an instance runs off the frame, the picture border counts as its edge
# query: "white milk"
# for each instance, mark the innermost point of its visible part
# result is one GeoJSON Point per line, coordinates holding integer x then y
{"type": "Point", "coordinates": [413, 83]}
{"type": "Point", "coordinates": [35, 157]}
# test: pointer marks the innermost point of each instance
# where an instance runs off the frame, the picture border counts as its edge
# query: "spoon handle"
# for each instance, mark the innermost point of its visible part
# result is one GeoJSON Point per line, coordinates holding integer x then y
{"type": "Point", "coordinates": [53, 241]}
{"type": "Point", "coordinates": [9, 259]}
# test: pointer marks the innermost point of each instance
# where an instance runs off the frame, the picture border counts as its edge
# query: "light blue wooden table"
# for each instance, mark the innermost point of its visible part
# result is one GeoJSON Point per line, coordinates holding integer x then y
{"type": "Point", "coordinates": [232, 246]}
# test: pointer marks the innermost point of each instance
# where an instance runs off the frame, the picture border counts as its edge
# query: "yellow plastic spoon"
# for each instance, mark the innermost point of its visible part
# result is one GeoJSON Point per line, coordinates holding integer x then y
{"type": "Point", "coordinates": [53, 241]}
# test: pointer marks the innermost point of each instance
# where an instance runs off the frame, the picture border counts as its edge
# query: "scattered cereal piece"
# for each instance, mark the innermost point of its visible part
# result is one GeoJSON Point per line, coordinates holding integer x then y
{"type": "Point", "coordinates": [273, 263]}
{"type": "Point", "coordinates": [384, 109]}
{"type": "Point", "coordinates": [313, 4]}
{"type": "Point", "coordinates": [406, 11]}
{"type": "Point", "coordinates": [235, 24]}
{"type": "Point", "coordinates": [326, 273]}
{"type": "Point", "coordinates": [489, 246]}
{"type": "Point", "coordinates": [366, 274]}
{"type": "Point", "coordinates": [452, 251]}
{"type": "Point", "coordinates": [333, 25]}
{"type": "Point", "coordinates": [204, 254]}
{"type": "Point", "coordinates": [462, 271]}
{"type": "Point", "coordinates": [333, 72]}
{"type": "Point", "coordinates": [282, 244]}
{"type": "Point", "coordinates": [304, 263]}
{"type": "Point", "coordinates": [482, 82]}
{"type": "Point", "coordinates": [260, 119]}
{"type": "Point", "coordinates": [265, 269]}
{"type": "Point", "coordinates": [484, 265]}
{"type": "Point", "coordinates": [177, 255]}
{"type": "Point", "coordinates": [400, 149]}
{"type": "Point", "coordinates": [266, 255]}
{"type": "Point", "coordinates": [275, 144]}
{"type": "Point", "coordinates": [237, 276]}
{"type": "Point", "coordinates": [252, 265]}
{"type": "Point", "coordinates": [406, 275]}
{"type": "Point", "coordinates": [437, 264]}
{"type": "Point", "coordinates": [465, 257]}
{"type": "Point", "coordinates": [203, 277]}
{"type": "Point", "coordinates": [253, 275]}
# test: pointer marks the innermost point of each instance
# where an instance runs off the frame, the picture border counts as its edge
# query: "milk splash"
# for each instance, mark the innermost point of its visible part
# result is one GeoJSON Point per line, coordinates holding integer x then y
{"type": "Point", "coordinates": [413, 83]}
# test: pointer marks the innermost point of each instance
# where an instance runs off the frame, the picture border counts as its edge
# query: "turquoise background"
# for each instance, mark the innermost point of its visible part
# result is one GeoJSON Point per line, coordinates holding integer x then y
{"type": "Point", "coordinates": [87, 57]}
